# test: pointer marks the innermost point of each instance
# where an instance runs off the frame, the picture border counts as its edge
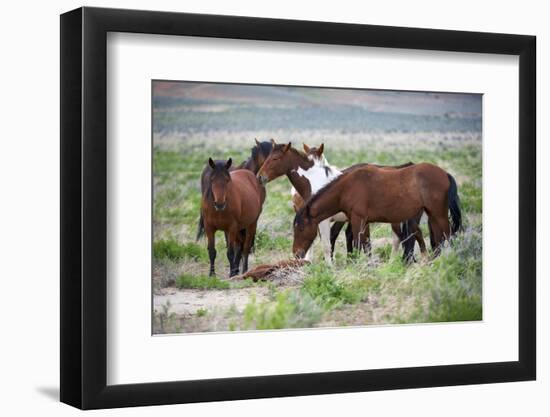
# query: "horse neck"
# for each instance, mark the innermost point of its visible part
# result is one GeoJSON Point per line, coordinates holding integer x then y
{"type": "Point", "coordinates": [326, 205]}
{"type": "Point", "coordinates": [299, 160]}
{"type": "Point", "coordinates": [300, 183]}
{"type": "Point", "coordinates": [250, 165]}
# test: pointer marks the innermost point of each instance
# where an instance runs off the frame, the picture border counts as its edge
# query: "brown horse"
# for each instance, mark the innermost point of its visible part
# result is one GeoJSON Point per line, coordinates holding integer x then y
{"type": "Point", "coordinates": [232, 202]}
{"type": "Point", "coordinates": [258, 155]}
{"type": "Point", "coordinates": [372, 194]}
{"type": "Point", "coordinates": [310, 171]}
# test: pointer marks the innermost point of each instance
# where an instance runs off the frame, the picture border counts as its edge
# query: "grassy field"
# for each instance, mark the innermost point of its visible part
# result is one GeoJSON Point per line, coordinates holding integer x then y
{"type": "Point", "coordinates": [361, 291]}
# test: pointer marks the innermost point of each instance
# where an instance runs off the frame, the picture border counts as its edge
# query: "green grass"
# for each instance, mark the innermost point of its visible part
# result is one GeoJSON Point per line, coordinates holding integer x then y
{"type": "Point", "coordinates": [383, 289]}
{"type": "Point", "coordinates": [321, 285]}
{"type": "Point", "coordinates": [201, 282]}
{"type": "Point", "coordinates": [174, 251]}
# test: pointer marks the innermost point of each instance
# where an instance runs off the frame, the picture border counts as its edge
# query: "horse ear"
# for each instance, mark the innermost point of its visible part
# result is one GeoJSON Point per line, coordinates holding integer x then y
{"type": "Point", "coordinates": [228, 163]}
{"type": "Point", "coordinates": [306, 148]}
{"type": "Point", "coordinates": [273, 142]}
{"type": "Point", "coordinates": [256, 140]}
{"type": "Point", "coordinates": [287, 146]}
{"type": "Point", "coordinates": [211, 163]}
{"type": "Point", "coordinates": [321, 149]}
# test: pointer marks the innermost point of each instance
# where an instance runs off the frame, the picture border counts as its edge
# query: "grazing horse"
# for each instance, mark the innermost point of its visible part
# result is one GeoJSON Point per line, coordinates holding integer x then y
{"type": "Point", "coordinates": [308, 173]}
{"type": "Point", "coordinates": [232, 202]}
{"type": "Point", "coordinates": [372, 194]}
{"type": "Point", "coordinates": [258, 155]}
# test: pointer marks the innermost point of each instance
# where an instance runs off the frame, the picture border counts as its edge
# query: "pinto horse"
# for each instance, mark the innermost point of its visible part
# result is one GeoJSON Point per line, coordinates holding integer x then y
{"type": "Point", "coordinates": [232, 202]}
{"type": "Point", "coordinates": [258, 155]}
{"type": "Point", "coordinates": [372, 194]}
{"type": "Point", "coordinates": [308, 173]}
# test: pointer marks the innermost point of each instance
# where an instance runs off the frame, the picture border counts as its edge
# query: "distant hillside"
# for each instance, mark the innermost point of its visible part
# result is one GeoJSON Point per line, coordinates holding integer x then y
{"type": "Point", "coordinates": [207, 106]}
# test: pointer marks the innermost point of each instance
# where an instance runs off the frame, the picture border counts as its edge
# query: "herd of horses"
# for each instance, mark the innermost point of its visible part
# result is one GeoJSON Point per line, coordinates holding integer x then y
{"type": "Point", "coordinates": [325, 199]}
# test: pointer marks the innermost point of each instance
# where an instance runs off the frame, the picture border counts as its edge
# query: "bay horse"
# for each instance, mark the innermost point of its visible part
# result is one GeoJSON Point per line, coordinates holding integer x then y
{"type": "Point", "coordinates": [232, 203]}
{"type": "Point", "coordinates": [308, 173]}
{"type": "Point", "coordinates": [258, 155]}
{"type": "Point", "coordinates": [370, 194]}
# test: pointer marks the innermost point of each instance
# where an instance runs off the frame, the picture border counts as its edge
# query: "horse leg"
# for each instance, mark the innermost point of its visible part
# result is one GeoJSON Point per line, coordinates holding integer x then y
{"type": "Point", "coordinates": [324, 233]}
{"type": "Point", "coordinates": [366, 243]}
{"type": "Point", "coordinates": [211, 249]}
{"type": "Point", "coordinates": [349, 240]}
{"type": "Point", "coordinates": [237, 251]}
{"type": "Point", "coordinates": [396, 229]}
{"type": "Point", "coordinates": [419, 236]}
{"type": "Point", "coordinates": [408, 236]}
{"type": "Point", "coordinates": [432, 240]}
{"type": "Point", "coordinates": [334, 232]}
{"type": "Point", "coordinates": [440, 224]}
{"type": "Point", "coordinates": [437, 235]}
{"type": "Point", "coordinates": [229, 251]}
{"type": "Point", "coordinates": [358, 228]}
{"type": "Point", "coordinates": [248, 241]}
{"type": "Point", "coordinates": [420, 239]}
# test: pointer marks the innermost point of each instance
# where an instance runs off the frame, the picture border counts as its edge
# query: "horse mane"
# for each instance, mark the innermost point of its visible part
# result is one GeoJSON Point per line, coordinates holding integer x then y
{"type": "Point", "coordinates": [305, 209]}
{"type": "Point", "coordinates": [263, 147]}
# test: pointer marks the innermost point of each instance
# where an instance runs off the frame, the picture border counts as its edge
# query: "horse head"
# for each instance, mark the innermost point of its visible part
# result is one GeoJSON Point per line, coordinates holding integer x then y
{"type": "Point", "coordinates": [258, 155]}
{"type": "Point", "coordinates": [219, 180]}
{"type": "Point", "coordinates": [305, 232]}
{"type": "Point", "coordinates": [316, 154]}
{"type": "Point", "coordinates": [277, 163]}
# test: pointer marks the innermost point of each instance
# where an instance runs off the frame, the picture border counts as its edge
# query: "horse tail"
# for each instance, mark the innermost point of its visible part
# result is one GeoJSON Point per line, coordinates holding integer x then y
{"type": "Point", "coordinates": [200, 228]}
{"type": "Point", "coordinates": [454, 206]}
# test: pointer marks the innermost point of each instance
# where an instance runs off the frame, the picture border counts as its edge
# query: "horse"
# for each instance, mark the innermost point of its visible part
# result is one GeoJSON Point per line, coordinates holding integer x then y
{"type": "Point", "coordinates": [258, 155]}
{"type": "Point", "coordinates": [372, 194]}
{"type": "Point", "coordinates": [233, 203]}
{"type": "Point", "coordinates": [401, 233]}
{"type": "Point", "coordinates": [308, 173]}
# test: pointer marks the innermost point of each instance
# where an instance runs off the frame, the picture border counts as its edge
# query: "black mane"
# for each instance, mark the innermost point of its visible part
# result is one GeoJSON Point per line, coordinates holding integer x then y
{"type": "Point", "coordinates": [263, 147]}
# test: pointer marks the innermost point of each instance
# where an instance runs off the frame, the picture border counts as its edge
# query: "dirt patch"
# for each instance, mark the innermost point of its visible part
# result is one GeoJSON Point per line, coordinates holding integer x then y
{"type": "Point", "coordinates": [189, 301]}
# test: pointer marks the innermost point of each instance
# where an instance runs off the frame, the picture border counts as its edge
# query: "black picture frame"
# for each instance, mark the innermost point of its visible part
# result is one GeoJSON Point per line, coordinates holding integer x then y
{"type": "Point", "coordinates": [84, 207]}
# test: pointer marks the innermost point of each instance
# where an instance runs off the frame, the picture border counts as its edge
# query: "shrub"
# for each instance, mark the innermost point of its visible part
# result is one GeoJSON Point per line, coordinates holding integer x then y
{"type": "Point", "coordinates": [454, 281]}
{"type": "Point", "coordinates": [322, 287]}
{"type": "Point", "coordinates": [288, 310]}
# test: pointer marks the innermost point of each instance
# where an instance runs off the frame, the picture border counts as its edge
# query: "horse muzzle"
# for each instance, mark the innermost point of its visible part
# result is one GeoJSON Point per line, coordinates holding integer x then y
{"type": "Point", "coordinates": [263, 179]}
{"type": "Point", "coordinates": [300, 254]}
{"type": "Point", "coordinates": [220, 206]}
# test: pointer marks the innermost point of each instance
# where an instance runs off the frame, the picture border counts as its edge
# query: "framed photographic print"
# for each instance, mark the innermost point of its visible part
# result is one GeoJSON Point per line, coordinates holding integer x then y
{"type": "Point", "coordinates": [258, 207]}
